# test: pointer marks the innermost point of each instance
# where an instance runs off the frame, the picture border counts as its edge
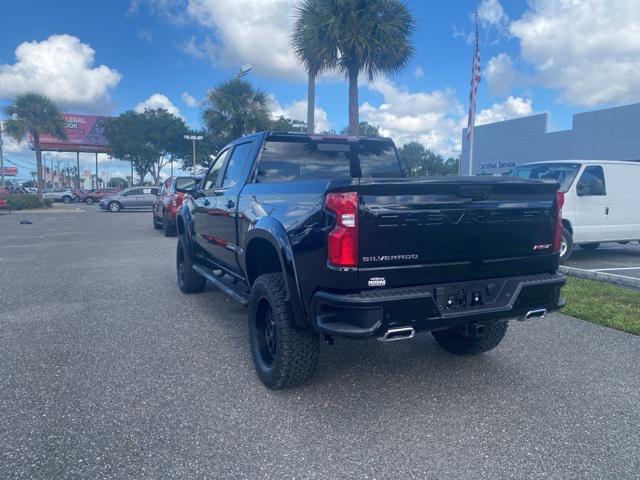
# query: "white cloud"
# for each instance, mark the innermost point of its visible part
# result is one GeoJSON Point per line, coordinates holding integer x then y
{"type": "Point", "coordinates": [253, 31]}
{"type": "Point", "coordinates": [205, 49]}
{"type": "Point", "coordinates": [432, 118]}
{"type": "Point", "coordinates": [189, 100]}
{"type": "Point", "coordinates": [512, 107]}
{"type": "Point", "coordinates": [491, 14]}
{"type": "Point", "coordinates": [60, 67]}
{"type": "Point", "coordinates": [158, 100]}
{"type": "Point", "coordinates": [245, 31]}
{"type": "Point", "coordinates": [298, 111]}
{"type": "Point", "coordinates": [500, 74]}
{"type": "Point", "coordinates": [587, 49]}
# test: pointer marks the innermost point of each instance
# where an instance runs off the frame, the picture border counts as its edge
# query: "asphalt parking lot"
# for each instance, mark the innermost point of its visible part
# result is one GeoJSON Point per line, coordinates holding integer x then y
{"type": "Point", "coordinates": [108, 371]}
{"type": "Point", "coordinates": [611, 258]}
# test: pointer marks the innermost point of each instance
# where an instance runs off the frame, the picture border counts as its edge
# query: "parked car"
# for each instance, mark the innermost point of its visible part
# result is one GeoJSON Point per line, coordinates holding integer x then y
{"type": "Point", "coordinates": [90, 197]}
{"type": "Point", "coordinates": [169, 200]}
{"type": "Point", "coordinates": [64, 195]}
{"type": "Point", "coordinates": [324, 237]}
{"type": "Point", "coordinates": [133, 198]}
{"type": "Point", "coordinates": [602, 200]}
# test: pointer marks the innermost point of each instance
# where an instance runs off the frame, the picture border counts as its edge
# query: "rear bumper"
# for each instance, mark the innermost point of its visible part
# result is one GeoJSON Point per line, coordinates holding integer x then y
{"type": "Point", "coordinates": [434, 307]}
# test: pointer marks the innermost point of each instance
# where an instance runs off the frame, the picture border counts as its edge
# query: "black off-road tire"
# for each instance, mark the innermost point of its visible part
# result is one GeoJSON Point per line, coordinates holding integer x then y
{"type": "Point", "coordinates": [189, 280]}
{"type": "Point", "coordinates": [568, 238]}
{"type": "Point", "coordinates": [296, 349]}
{"type": "Point", "coordinates": [455, 342]}
{"type": "Point", "coordinates": [157, 225]}
{"type": "Point", "coordinates": [590, 246]}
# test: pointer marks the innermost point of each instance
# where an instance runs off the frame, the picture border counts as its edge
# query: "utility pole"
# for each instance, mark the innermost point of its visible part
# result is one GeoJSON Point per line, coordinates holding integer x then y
{"type": "Point", "coordinates": [78, 169]}
{"type": "Point", "coordinates": [58, 169]}
{"type": "Point", "coordinates": [1, 158]}
{"type": "Point", "coordinates": [96, 170]}
{"type": "Point", "coordinates": [193, 138]}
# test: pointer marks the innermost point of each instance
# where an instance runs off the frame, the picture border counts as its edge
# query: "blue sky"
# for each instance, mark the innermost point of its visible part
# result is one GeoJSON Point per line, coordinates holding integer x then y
{"type": "Point", "coordinates": [537, 56]}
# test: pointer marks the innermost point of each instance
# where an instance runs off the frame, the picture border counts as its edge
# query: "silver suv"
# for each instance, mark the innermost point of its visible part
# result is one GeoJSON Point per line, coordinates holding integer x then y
{"type": "Point", "coordinates": [130, 198]}
{"type": "Point", "coordinates": [60, 195]}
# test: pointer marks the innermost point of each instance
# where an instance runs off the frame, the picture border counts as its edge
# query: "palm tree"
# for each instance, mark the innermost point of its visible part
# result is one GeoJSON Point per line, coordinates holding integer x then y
{"type": "Point", "coordinates": [370, 36]}
{"type": "Point", "coordinates": [313, 47]}
{"type": "Point", "coordinates": [33, 113]}
{"type": "Point", "coordinates": [234, 108]}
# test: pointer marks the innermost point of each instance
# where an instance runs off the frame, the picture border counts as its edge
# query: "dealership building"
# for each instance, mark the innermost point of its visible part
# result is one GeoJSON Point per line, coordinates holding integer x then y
{"type": "Point", "coordinates": [608, 134]}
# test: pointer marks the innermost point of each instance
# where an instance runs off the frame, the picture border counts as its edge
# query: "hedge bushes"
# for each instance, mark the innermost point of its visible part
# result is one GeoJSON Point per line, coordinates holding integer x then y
{"type": "Point", "coordinates": [24, 201]}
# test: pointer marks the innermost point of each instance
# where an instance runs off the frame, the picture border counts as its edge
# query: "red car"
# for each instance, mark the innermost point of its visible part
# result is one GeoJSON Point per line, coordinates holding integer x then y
{"type": "Point", "coordinates": [91, 197]}
{"type": "Point", "coordinates": [168, 202]}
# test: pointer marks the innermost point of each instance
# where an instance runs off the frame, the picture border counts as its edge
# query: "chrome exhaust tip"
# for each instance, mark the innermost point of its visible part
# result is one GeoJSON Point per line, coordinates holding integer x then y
{"type": "Point", "coordinates": [533, 314]}
{"type": "Point", "coordinates": [398, 333]}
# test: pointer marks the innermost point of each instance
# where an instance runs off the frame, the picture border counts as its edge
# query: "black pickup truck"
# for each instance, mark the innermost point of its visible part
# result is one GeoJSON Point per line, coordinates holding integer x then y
{"type": "Point", "coordinates": [325, 236]}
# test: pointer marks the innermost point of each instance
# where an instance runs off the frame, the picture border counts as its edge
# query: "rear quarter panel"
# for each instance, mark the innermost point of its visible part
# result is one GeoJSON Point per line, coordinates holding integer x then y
{"type": "Point", "coordinates": [298, 207]}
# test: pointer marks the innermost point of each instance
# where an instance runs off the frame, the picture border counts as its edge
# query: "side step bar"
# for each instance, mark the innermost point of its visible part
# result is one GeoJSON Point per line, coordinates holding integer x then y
{"type": "Point", "coordinates": [224, 285]}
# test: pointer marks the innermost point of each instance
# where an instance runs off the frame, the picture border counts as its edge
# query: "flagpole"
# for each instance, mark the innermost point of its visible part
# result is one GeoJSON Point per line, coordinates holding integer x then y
{"type": "Point", "coordinates": [475, 79]}
{"type": "Point", "coordinates": [471, 152]}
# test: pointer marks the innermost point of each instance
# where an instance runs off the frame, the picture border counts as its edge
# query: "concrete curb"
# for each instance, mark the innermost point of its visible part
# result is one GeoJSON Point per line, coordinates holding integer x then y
{"type": "Point", "coordinates": [602, 277]}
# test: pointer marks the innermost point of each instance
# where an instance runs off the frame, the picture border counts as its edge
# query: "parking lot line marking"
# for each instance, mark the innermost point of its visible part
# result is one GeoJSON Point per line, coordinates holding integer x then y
{"type": "Point", "coordinates": [610, 269]}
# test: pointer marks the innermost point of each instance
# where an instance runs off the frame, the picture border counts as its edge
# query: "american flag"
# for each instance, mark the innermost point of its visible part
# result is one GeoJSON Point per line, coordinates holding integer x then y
{"type": "Point", "coordinates": [475, 80]}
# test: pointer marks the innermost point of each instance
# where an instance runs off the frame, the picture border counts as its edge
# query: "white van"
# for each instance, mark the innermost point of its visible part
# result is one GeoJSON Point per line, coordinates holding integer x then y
{"type": "Point", "coordinates": [601, 200]}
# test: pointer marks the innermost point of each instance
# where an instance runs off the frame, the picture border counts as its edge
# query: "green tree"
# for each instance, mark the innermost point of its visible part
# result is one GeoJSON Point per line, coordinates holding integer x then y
{"type": "Point", "coordinates": [312, 44]}
{"type": "Point", "coordinates": [118, 182]}
{"type": "Point", "coordinates": [234, 108]}
{"type": "Point", "coordinates": [284, 124]}
{"type": "Point", "coordinates": [370, 36]}
{"type": "Point", "coordinates": [413, 156]}
{"type": "Point", "coordinates": [149, 139]}
{"type": "Point", "coordinates": [33, 113]}
{"type": "Point", "coordinates": [421, 162]}
{"type": "Point", "coordinates": [365, 129]}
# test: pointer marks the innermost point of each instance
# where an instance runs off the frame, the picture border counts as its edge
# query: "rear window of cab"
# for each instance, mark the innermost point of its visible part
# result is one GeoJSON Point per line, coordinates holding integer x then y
{"type": "Point", "coordinates": [285, 160]}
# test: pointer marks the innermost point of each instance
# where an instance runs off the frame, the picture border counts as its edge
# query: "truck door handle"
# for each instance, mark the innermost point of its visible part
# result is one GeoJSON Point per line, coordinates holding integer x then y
{"type": "Point", "coordinates": [230, 204]}
{"type": "Point", "coordinates": [206, 202]}
{"type": "Point", "coordinates": [606, 210]}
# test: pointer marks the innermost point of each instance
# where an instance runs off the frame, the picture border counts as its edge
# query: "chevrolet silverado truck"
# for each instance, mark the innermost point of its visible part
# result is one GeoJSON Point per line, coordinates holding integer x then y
{"type": "Point", "coordinates": [326, 236]}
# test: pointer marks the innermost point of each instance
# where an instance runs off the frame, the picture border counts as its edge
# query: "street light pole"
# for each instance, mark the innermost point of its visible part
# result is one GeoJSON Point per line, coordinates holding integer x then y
{"type": "Point", "coordinates": [1, 158]}
{"type": "Point", "coordinates": [193, 138]}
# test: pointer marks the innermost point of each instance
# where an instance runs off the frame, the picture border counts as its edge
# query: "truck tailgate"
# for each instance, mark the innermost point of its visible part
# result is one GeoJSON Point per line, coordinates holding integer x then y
{"type": "Point", "coordinates": [421, 231]}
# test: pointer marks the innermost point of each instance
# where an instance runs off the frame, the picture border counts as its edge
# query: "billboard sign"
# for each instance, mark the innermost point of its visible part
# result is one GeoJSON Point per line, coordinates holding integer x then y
{"type": "Point", "coordinates": [85, 133]}
{"type": "Point", "coordinates": [10, 171]}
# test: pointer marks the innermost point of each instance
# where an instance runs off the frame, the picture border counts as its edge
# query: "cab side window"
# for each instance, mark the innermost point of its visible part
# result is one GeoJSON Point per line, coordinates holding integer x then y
{"type": "Point", "coordinates": [212, 175]}
{"type": "Point", "coordinates": [591, 182]}
{"type": "Point", "coordinates": [237, 164]}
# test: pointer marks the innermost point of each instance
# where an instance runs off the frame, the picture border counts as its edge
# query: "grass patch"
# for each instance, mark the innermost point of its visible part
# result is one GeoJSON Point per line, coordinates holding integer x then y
{"type": "Point", "coordinates": [602, 303]}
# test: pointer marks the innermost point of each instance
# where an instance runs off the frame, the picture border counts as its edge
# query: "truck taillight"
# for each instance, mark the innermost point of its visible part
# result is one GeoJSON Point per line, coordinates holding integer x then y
{"type": "Point", "coordinates": [342, 242]}
{"type": "Point", "coordinates": [176, 199]}
{"type": "Point", "coordinates": [557, 237]}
